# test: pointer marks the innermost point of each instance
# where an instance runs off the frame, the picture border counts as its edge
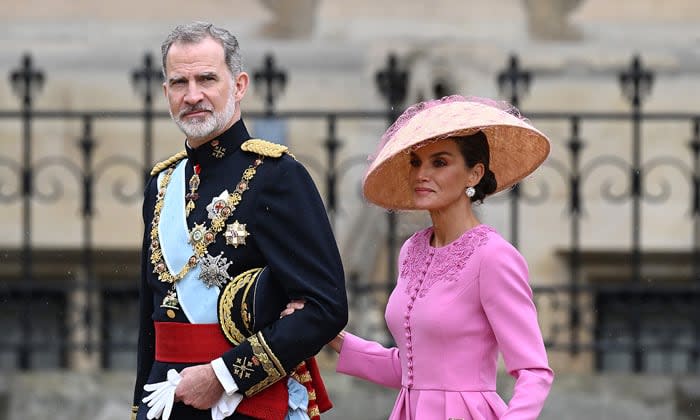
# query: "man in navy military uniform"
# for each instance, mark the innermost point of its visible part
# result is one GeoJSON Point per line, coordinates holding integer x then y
{"type": "Point", "coordinates": [227, 209]}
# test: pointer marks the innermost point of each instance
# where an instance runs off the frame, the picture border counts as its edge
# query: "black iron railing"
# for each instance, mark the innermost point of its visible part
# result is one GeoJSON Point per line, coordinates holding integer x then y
{"type": "Point", "coordinates": [584, 313]}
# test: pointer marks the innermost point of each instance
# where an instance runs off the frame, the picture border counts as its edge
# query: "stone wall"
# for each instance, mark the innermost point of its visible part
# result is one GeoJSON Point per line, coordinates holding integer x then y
{"type": "Point", "coordinates": [107, 396]}
{"type": "Point", "coordinates": [331, 50]}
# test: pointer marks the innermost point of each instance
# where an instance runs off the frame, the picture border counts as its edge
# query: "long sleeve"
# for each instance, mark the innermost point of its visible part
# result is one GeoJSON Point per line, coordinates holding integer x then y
{"type": "Point", "coordinates": [507, 300]}
{"type": "Point", "coordinates": [146, 338]}
{"type": "Point", "coordinates": [291, 229]}
{"type": "Point", "coordinates": [370, 361]}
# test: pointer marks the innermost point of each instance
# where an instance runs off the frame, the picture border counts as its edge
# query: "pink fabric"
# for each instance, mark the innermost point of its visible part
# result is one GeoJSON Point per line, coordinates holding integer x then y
{"type": "Point", "coordinates": [411, 112]}
{"type": "Point", "coordinates": [449, 329]}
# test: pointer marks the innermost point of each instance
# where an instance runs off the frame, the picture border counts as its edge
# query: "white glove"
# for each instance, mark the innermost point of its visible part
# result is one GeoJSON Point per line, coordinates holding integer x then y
{"type": "Point", "coordinates": [162, 396]}
{"type": "Point", "coordinates": [225, 406]}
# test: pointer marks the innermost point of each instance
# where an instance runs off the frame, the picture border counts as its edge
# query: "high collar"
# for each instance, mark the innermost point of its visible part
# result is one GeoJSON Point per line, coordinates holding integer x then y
{"type": "Point", "coordinates": [218, 148]}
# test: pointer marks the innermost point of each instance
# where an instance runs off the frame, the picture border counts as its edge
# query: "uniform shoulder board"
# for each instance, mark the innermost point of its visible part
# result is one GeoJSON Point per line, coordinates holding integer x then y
{"type": "Point", "coordinates": [265, 148]}
{"type": "Point", "coordinates": [168, 162]}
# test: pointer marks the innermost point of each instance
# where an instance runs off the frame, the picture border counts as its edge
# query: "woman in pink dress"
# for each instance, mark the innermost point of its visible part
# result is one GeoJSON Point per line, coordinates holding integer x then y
{"type": "Point", "coordinates": [462, 295]}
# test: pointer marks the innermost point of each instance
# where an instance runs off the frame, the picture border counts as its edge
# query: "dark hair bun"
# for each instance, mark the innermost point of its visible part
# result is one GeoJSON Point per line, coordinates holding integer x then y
{"type": "Point", "coordinates": [475, 149]}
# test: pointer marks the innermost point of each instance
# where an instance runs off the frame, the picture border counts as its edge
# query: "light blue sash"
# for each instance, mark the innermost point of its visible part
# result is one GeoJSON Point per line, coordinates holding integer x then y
{"type": "Point", "coordinates": [298, 401]}
{"type": "Point", "coordinates": [198, 302]}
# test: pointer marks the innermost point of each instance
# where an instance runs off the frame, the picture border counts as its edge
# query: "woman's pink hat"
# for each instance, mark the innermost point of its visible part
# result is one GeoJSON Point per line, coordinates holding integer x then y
{"type": "Point", "coordinates": [516, 148]}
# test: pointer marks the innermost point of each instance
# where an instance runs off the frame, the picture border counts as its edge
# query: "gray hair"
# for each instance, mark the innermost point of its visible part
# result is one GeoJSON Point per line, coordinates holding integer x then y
{"type": "Point", "coordinates": [192, 33]}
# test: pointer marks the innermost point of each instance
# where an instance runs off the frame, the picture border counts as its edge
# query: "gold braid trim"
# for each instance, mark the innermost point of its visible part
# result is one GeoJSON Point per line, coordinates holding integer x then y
{"type": "Point", "coordinates": [269, 351]}
{"type": "Point", "coordinates": [245, 311]}
{"type": "Point", "coordinates": [168, 162]}
{"type": "Point", "coordinates": [232, 333]}
{"type": "Point", "coordinates": [265, 148]}
{"type": "Point", "coordinates": [134, 411]}
{"type": "Point", "coordinates": [208, 236]}
{"type": "Point", "coordinates": [303, 378]}
{"type": "Point", "coordinates": [302, 375]}
{"type": "Point", "coordinates": [263, 353]}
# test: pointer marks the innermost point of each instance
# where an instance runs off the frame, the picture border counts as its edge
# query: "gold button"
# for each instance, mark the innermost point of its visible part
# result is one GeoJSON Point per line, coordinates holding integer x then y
{"type": "Point", "coordinates": [170, 313]}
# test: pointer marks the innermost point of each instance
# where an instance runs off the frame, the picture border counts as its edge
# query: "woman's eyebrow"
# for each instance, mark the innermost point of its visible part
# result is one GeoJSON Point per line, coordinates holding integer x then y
{"type": "Point", "coordinates": [438, 154]}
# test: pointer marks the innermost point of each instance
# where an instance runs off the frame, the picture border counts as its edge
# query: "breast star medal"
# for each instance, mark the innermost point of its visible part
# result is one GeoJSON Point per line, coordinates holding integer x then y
{"type": "Point", "coordinates": [217, 206]}
{"type": "Point", "coordinates": [214, 270]}
{"type": "Point", "coordinates": [200, 237]}
{"type": "Point", "coordinates": [235, 234]}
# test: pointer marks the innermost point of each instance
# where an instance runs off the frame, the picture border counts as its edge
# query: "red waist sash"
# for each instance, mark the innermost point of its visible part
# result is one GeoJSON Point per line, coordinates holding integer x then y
{"type": "Point", "coordinates": [178, 342]}
{"type": "Point", "coordinates": [201, 343]}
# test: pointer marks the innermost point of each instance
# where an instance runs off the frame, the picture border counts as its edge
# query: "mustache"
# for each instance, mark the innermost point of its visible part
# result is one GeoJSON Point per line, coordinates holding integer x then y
{"type": "Point", "coordinates": [194, 108]}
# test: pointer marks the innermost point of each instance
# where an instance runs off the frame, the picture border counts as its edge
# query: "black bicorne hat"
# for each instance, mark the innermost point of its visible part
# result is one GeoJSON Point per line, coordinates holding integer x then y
{"type": "Point", "coordinates": [248, 303]}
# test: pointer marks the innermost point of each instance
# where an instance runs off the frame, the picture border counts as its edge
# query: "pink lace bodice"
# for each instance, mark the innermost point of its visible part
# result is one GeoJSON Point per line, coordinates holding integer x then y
{"type": "Point", "coordinates": [425, 265]}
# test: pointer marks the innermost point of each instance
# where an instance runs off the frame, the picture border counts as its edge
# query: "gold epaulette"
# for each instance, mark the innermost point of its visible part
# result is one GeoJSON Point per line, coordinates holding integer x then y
{"type": "Point", "coordinates": [168, 162]}
{"type": "Point", "coordinates": [265, 148]}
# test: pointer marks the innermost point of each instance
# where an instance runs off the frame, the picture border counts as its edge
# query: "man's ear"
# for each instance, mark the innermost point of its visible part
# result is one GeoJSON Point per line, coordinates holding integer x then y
{"type": "Point", "coordinates": [242, 81]}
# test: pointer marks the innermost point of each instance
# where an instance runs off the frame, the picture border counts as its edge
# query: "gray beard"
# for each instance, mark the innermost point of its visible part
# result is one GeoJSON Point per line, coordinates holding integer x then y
{"type": "Point", "coordinates": [204, 127]}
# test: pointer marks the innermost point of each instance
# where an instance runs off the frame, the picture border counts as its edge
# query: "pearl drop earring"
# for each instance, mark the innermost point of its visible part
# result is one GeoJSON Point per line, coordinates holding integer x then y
{"type": "Point", "coordinates": [470, 191]}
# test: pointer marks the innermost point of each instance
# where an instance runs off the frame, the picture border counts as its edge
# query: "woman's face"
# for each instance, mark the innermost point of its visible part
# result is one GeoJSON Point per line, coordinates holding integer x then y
{"type": "Point", "coordinates": [439, 175]}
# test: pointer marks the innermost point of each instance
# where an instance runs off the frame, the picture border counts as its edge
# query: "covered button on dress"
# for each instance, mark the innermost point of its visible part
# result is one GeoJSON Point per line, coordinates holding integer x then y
{"type": "Point", "coordinates": [453, 309]}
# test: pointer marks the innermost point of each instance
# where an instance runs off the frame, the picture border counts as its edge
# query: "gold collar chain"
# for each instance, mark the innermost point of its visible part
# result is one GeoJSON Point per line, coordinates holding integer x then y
{"type": "Point", "coordinates": [205, 236]}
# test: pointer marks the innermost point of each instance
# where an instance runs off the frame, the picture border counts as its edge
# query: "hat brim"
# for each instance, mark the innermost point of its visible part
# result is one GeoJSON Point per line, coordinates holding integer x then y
{"type": "Point", "coordinates": [516, 149]}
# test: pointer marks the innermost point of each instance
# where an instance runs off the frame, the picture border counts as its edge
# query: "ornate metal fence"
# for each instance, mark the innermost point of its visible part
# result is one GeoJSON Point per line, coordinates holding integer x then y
{"type": "Point", "coordinates": [634, 324]}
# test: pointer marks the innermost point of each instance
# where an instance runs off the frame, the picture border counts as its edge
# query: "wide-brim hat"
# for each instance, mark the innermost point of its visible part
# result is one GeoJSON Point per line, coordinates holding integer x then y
{"type": "Point", "coordinates": [516, 148]}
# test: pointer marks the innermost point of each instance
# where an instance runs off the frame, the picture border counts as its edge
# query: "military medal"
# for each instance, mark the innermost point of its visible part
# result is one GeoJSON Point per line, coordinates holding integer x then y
{"type": "Point", "coordinates": [192, 195]}
{"type": "Point", "coordinates": [214, 270]}
{"type": "Point", "coordinates": [171, 303]}
{"type": "Point", "coordinates": [235, 234]}
{"type": "Point", "coordinates": [200, 237]}
{"type": "Point", "coordinates": [197, 233]}
{"type": "Point", "coordinates": [217, 205]}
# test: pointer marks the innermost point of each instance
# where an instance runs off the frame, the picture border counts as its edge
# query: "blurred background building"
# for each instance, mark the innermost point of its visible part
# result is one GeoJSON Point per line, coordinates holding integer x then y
{"type": "Point", "coordinates": [610, 225]}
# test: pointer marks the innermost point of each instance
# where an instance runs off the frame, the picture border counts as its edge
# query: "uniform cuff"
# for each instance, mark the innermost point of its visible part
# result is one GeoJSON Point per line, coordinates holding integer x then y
{"type": "Point", "coordinates": [224, 376]}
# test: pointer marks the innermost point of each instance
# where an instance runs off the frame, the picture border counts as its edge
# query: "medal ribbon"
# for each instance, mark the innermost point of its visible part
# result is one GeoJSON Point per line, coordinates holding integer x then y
{"type": "Point", "coordinates": [196, 300]}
